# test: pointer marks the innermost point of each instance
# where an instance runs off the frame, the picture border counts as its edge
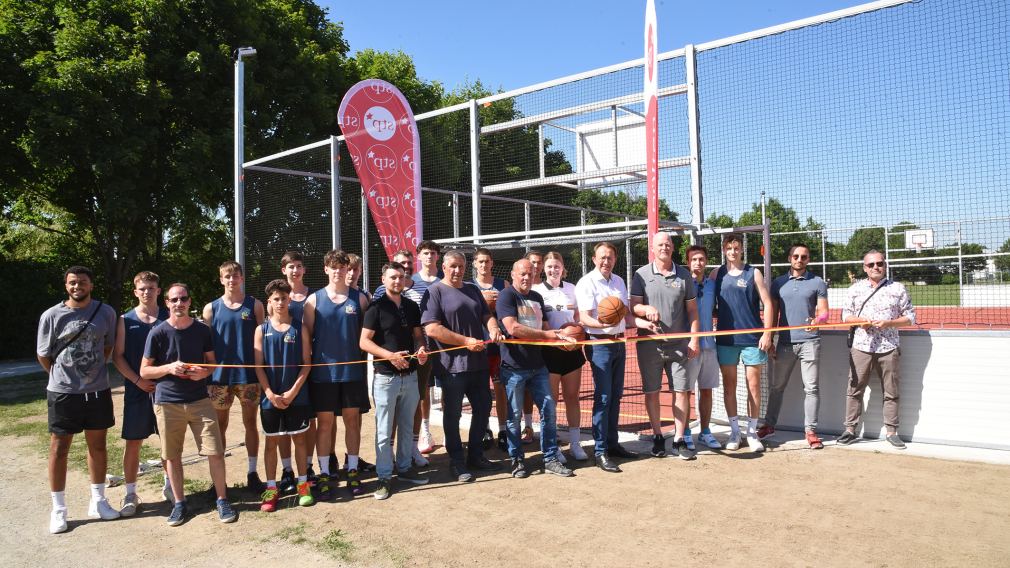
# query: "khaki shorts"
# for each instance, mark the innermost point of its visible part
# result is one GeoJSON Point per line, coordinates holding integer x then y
{"type": "Point", "coordinates": [221, 396]}
{"type": "Point", "coordinates": [199, 417]}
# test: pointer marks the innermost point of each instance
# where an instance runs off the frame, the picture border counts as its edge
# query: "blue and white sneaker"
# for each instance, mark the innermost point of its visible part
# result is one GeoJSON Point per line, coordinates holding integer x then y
{"type": "Point", "coordinates": [225, 512]}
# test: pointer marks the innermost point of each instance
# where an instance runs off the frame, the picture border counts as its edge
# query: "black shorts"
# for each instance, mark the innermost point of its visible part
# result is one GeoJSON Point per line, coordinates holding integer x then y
{"type": "Point", "coordinates": [334, 397]}
{"type": "Point", "coordinates": [561, 362]}
{"type": "Point", "coordinates": [74, 413]}
{"type": "Point", "coordinates": [291, 420]}
{"type": "Point", "coordinates": [139, 421]}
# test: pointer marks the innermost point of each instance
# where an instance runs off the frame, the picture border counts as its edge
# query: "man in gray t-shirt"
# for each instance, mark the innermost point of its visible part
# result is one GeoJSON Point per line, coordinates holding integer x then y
{"type": "Point", "coordinates": [75, 339]}
{"type": "Point", "coordinates": [799, 297]}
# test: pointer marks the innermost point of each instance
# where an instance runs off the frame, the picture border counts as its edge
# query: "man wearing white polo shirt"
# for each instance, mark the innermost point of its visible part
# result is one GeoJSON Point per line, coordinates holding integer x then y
{"type": "Point", "coordinates": [606, 359]}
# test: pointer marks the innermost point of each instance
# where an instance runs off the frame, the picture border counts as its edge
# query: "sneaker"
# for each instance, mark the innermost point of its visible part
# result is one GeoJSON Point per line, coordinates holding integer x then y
{"type": "Point", "coordinates": [734, 441]}
{"type": "Point", "coordinates": [323, 485]}
{"type": "Point", "coordinates": [503, 440]}
{"type": "Point", "coordinates": [754, 443]}
{"type": "Point", "coordinates": [425, 444]}
{"type": "Point", "coordinates": [58, 521]}
{"type": "Point", "coordinates": [382, 491]}
{"type": "Point", "coordinates": [166, 492]}
{"type": "Point", "coordinates": [846, 438]}
{"type": "Point", "coordinates": [310, 476]}
{"type": "Point", "coordinates": [288, 482]}
{"type": "Point", "coordinates": [253, 483]}
{"type": "Point", "coordinates": [354, 482]}
{"type": "Point", "coordinates": [269, 497]}
{"type": "Point", "coordinates": [683, 451]}
{"type": "Point", "coordinates": [460, 473]}
{"type": "Point", "coordinates": [411, 476]}
{"type": "Point", "coordinates": [178, 515]}
{"type": "Point", "coordinates": [557, 468]}
{"type": "Point", "coordinates": [419, 459]}
{"type": "Point", "coordinates": [519, 469]}
{"type": "Point", "coordinates": [577, 452]}
{"type": "Point", "coordinates": [483, 464]}
{"type": "Point", "coordinates": [225, 513]}
{"type": "Point", "coordinates": [305, 498]}
{"type": "Point", "coordinates": [131, 505]}
{"type": "Point", "coordinates": [527, 437]}
{"type": "Point", "coordinates": [658, 446]}
{"type": "Point", "coordinates": [689, 440]}
{"type": "Point", "coordinates": [765, 431]}
{"type": "Point", "coordinates": [709, 440]}
{"type": "Point", "coordinates": [814, 442]}
{"type": "Point", "coordinates": [896, 441]}
{"type": "Point", "coordinates": [102, 510]}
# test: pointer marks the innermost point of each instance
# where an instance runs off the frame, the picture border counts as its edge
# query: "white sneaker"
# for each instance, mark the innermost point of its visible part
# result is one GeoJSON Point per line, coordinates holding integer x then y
{"type": "Point", "coordinates": [419, 459]}
{"type": "Point", "coordinates": [561, 456]}
{"type": "Point", "coordinates": [577, 452]}
{"type": "Point", "coordinates": [131, 504]}
{"type": "Point", "coordinates": [101, 509]}
{"type": "Point", "coordinates": [58, 521]}
{"type": "Point", "coordinates": [166, 492]}
{"type": "Point", "coordinates": [425, 443]}
{"type": "Point", "coordinates": [734, 441]}
{"type": "Point", "coordinates": [754, 443]}
{"type": "Point", "coordinates": [709, 440]}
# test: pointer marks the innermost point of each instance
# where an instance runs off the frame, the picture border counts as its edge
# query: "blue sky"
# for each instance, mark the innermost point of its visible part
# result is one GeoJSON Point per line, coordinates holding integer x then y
{"type": "Point", "coordinates": [517, 43]}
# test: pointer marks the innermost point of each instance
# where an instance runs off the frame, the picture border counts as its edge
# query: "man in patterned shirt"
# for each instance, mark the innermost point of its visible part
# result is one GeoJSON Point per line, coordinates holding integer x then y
{"type": "Point", "coordinates": [879, 306]}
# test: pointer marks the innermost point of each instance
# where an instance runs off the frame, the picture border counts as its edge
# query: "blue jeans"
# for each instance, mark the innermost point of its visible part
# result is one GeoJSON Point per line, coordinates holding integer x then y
{"type": "Point", "coordinates": [607, 363]}
{"type": "Point", "coordinates": [538, 381]}
{"type": "Point", "coordinates": [396, 399]}
{"type": "Point", "coordinates": [473, 385]}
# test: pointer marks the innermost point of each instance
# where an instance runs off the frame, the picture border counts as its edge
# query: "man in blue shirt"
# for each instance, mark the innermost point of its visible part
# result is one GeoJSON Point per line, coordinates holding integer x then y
{"type": "Point", "coordinates": [798, 297]}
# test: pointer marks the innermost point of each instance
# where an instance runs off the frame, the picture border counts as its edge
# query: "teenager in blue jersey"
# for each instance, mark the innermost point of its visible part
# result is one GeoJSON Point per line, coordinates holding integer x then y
{"type": "Point", "coordinates": [138, 404]}
{"type": "Point", "coordinates": [428, 273]}
{"type": "Point", "coordinates": [334, 315]}
{"type": "Point", "coordinates": [740, 291]}
{"type": "Point", "coordinates": [285, 410]}
{"type": "Point", "coordinates": [293, 269]}
{"type": "Point", "coordinates": [232, 319]}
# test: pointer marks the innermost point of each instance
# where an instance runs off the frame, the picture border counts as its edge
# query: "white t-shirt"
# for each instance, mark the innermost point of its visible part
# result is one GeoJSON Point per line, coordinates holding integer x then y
{"type": "Point", "coordinates": [592, 288]}
{"type": "Point", "coordinates": [560, 303]}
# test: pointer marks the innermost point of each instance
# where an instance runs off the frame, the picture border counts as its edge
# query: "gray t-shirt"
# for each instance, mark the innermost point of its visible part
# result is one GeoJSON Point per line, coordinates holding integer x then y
{"type": "Point", "coordinates": [462, 310]}
{"type": "Point", "coordinates": [80, 367]}
{"type": "Point", "coordinates": [666, 293]}
{"type": "Point", "coordinates": [797, 299]}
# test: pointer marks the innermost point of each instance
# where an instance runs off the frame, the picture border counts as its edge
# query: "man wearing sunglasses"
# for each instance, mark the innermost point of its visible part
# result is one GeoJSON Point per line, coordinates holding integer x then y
{"type": "Point", "coordinates": [878, 306]}
{"type": "Point", "coordinates": [798, 297]}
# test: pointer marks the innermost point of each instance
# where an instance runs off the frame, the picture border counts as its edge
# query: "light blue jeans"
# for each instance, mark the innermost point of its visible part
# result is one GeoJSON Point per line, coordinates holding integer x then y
{"type": "Point", "coordinates": [396, 399]}
{"type": "Point", "coordinates": [538, 382]}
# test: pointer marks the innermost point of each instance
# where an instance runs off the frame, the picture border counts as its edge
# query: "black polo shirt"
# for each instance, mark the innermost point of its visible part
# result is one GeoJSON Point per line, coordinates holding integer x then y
{"type": "Point", "coordinates": [394, 329]}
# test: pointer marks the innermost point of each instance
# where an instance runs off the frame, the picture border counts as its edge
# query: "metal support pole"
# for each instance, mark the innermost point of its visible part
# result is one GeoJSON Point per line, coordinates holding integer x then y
{"type": "Point", "coordinates": [526, 220]}
{"type": "Point", "coordinates": [766, 242]}
{"type": "Point", "coordinates": [694, 140]}
{"type": "Point", "coordinates": [960, 266]}
{"type": "Point", "coordinates": [824, 258]}
{"type": "Point", "coordinates": [455, 216]}
{"type": "Point", "coordinates": [613, 120]}
{"type": "Point", "coordinates": [475, 187]}
{"type": "Point", "coordinates": [627, 255]}
{"type": "Point", "coordinates": [887, 251]}
{"type": "Point", "coordinates": [364, 237]}
{"type": "Point", "coordinates": [540, 149]}
{"type": "Point", "coordinates": [583, 247]}
{"type": "Point", "coordinates": [239, 178]}
{"type": "Point", "coordinates": [335, 192]}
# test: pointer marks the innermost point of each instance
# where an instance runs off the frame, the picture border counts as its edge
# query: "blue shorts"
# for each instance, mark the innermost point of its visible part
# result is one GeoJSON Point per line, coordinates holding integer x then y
{"type": "Point", "coordinates": [733, 354]}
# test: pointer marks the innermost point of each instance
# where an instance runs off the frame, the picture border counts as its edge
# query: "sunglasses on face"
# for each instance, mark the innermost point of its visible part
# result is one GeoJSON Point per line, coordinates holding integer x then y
{"type": "Point", "coordinates": [878, 264]}
{"type": "Point", "coordinates": [179, 300]}
{"type": "Point", "coordinates": [800, 256]}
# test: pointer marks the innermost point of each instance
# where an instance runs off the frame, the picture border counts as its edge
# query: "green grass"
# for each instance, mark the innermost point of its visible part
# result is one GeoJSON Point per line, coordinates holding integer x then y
{"type": "Point", "coordinates": [295, 534]}
{"type": "Point", "coordinates": [336, 545]}
{"type": "Point", "coordinates": [934, 294]}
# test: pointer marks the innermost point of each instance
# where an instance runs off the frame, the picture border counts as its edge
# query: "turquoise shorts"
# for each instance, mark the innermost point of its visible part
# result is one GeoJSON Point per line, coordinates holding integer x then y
{"type": "Point", "coordinates": [733, 354]}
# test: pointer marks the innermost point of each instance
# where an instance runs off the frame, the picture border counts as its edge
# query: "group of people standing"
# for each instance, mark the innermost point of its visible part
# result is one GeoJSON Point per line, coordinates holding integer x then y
{"type": "Point", "coordinates": [298, 361]}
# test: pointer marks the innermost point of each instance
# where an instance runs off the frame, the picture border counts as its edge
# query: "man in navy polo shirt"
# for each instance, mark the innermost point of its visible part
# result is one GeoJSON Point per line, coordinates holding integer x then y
{"type": "Point", "coordinates": [798, 297]}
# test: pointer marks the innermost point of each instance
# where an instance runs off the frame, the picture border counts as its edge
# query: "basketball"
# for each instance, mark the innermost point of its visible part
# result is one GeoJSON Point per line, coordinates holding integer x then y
{"type": "Point", "coordinates": [611, 310]}
{"type": "Point", "coordinates": [575, 331]}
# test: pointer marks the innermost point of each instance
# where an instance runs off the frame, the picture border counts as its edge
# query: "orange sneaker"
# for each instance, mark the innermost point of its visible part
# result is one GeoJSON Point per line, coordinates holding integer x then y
{"type": "Point", "coordinates": [814, 442]}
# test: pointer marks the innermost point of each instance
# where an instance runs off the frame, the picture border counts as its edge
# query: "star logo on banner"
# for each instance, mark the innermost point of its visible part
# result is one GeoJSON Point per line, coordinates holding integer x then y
{"type": "Point", "coordinates": [403, 120]}
{"type": "Point", "coordinates": [409, 233]}
{"type": "Point", "coordinates": [368, 116]}
{"type": "Point", "coordinates": [406, 195]}
{"type": "Point", "coordinates": [406, 158]}
{"type": "Point", "coordinates": [371, 154]}
{"type": "Point", "coordinates": [371, 193]}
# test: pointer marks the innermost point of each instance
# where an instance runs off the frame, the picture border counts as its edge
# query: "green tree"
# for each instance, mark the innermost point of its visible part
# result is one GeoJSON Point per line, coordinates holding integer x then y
{"type": "Point", "coordinates": [121, 111]}
{"type": "Point", "coordinates": [1003, 262]}
{"type": "Point", "coordinates": [782, 220]}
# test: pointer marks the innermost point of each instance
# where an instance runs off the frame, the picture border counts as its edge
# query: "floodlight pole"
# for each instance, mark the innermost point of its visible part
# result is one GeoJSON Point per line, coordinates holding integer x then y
{"type": "Point", "coordinates": [240, 152]}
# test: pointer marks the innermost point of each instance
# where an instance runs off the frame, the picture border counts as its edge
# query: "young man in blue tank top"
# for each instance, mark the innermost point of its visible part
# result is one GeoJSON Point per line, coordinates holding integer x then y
{"type": "Point", "coordinates": [139, 421]}
{"type": "Point", "coordinates": [293, 269]}
{"type": "Point", "coordinates": [284, 407]}
{"type": "Point", "coordinates": [428, 253]}
{"type": "Point", "coordinates": [333, 317]}
{"type": "Point", "coordinates": [233, 319]}
{"type": "Point", "coordinates": [739, 288]}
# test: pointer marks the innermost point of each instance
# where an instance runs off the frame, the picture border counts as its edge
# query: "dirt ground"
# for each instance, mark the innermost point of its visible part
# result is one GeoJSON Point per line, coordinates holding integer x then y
{"type": "Point", "coordinates": [787, 507]}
